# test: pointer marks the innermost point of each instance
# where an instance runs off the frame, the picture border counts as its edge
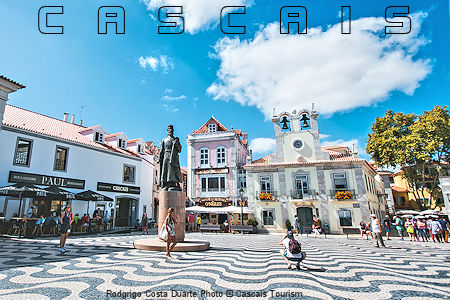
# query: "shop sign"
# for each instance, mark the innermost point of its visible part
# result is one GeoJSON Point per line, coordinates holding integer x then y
{"type": "Point", "coordinates": [355, 205]}
{"type": "Point", "coordinates": [244, 203]}
{"type": "Point", "coordinates": [117, 188]}
{"type": "Point", "coordinates": [214, 203]}
{"type": "Point", "coordinates": [18, 177]}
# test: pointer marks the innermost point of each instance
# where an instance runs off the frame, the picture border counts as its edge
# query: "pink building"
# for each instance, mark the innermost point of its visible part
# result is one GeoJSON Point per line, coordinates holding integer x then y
{"type": "Point", "coordinates": [216, 156]}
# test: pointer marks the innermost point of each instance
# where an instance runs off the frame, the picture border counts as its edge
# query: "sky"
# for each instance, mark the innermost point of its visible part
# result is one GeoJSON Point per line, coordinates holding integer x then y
{"type": "Point", "coordinates": [141, 81]}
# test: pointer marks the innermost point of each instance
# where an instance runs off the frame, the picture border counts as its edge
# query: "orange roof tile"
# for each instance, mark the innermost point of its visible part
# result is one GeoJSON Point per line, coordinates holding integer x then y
{"type": "Point", "coordinates": [34, 122]}
{"type": "Point", "coordinates": [204, 127]}
{"type": "Point", "coordinates": [398, 189]}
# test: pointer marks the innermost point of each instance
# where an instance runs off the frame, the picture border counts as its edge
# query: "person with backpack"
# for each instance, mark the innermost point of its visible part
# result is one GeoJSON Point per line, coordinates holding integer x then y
{"type": "Point", "coordinates": [398, 223]}
{"type": "Point", "coordinates": [292, 250]}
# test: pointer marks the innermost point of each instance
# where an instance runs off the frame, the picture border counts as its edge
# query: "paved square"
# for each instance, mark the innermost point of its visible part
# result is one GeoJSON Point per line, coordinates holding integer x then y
{"type": "Point", "coordinates": [248, 265]}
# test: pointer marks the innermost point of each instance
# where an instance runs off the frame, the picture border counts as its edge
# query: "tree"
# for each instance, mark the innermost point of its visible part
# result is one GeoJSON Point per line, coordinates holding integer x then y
{"type": "Point", "coordinates": [420, 145]}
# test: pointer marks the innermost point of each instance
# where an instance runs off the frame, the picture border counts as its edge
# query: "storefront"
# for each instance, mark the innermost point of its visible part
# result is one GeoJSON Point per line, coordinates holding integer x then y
{"type": "Point", "coordinates": [43, 206]}
{"type": "Point", "coordinates": [217, 211]}
{"type": "Point", "coordinates": [125, 212]}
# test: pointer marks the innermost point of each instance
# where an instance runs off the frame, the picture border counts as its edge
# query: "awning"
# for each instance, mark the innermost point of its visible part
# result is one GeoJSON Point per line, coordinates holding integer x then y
{"type": "Point", "coordinates": [219, 210]}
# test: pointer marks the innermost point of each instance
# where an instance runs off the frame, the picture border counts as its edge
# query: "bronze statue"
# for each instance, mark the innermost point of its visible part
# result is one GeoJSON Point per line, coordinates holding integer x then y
{"type": "Point", "coordinates": [169, 163]}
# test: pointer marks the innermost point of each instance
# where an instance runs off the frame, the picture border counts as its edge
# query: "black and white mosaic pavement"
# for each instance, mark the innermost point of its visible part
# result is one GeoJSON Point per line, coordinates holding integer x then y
{"type": "Point", "coordinates": [237, 265]}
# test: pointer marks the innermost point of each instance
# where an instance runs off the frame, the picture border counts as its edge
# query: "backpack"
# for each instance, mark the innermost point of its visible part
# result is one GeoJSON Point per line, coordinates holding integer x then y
{"type": "Point", "coordinates": [294, 246]}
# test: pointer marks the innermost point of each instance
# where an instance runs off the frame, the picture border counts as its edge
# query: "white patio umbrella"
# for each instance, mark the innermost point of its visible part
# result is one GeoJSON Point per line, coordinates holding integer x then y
{"type": "Point", "coordinates": [407, 212]}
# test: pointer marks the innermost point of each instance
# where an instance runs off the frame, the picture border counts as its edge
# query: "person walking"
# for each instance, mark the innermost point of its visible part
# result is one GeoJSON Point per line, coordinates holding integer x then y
{"type": "Point", "coordinates": [387, 226]}
{"type": "Point", "coordinates": [398, 223]}
{"type": "Point", "coordinates": [362, 229]}
{"type": "Point", "coordinates": [444, 234]}
{"type": "Point", "coordinates": [191, 221]}
{"type": "Point", "coordinates": [376, 231]}
{"type": "Point", "coordinates": [169, 224]}
{"type": "Point", "coordinates": [410, 229]}
{"type": "Point", "coordinates": [436, 230]}
{"type": "Point", "coordinates": [422, 228]}
{"type": "Point", "coordinates": [65, 220]}
{"type": "Point", "coordinates": [199, 222]}
{"type": "Point", "coordinates": [144, 223]}
{"type": "Point", "coordinates": [297, 225]}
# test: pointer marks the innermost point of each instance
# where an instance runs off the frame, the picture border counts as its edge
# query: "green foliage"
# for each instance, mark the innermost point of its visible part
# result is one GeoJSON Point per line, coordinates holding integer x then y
{"type": "Point", "coordinates": [252, 222]}
{"type": "Point", "coordinates": [414, 143]}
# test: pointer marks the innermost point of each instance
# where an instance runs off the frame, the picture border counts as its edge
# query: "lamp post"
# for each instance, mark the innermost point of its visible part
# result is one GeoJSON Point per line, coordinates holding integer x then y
{"type": "Point", "coordinates": [241, 194]}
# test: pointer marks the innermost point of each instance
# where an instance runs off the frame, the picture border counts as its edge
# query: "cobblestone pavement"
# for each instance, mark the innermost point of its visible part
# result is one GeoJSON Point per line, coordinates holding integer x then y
{"type": "Point", "coordinates": [244, 265]}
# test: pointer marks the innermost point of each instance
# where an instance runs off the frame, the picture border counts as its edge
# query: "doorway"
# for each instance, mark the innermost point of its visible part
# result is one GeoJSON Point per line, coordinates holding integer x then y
{"type": "Point", "coordinates": [222, 218]}
{"type": "Point", "coordinates": [126, 213]}
{"type": "Point", "coordinates": [305, 215]}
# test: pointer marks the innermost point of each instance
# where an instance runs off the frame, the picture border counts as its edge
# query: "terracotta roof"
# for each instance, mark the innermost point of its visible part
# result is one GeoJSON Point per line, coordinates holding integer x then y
{"type": "Point", "coordinates": [13, 82]}
{"type": "Point", "coordinates": [238, 131]}
{"type": "Point", "coordinates": [398, 189]}
{"type": "Point", "coordinates": [337, 152]}
{"type": "Point", "coordinates": [204, 127]}
{"type": "Point", "coordinates": [89, 128]}
{"type": "Point", "coordinates": [263, 160]}
{"type": "Point", "coordinates": [113, 135]}
{"type": "Point", "coordinates": [33, 122]}
{"type": "Point", "coordinates": [134, 141]}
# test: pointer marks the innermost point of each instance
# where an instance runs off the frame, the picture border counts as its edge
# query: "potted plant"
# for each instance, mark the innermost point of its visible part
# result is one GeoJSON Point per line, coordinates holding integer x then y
{"type": "Point", "coordinates": [252, 222]}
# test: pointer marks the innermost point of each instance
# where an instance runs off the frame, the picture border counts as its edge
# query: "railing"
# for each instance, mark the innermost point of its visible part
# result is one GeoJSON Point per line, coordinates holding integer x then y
{"type": "Point", "coordinates": [303, 194]}
{"type": "Point", "coordinates": [343, 194]}
{"type": "Point", "coordinates": [266, 196]}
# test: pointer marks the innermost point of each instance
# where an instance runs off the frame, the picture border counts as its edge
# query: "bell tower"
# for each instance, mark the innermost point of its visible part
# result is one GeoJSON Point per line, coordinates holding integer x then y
{"type": "Point", "coordinates": [297, 136]}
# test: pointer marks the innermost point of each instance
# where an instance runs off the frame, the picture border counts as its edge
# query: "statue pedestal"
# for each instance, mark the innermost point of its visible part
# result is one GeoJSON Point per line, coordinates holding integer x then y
{"type": "Point", "coordinates": [176, 200]}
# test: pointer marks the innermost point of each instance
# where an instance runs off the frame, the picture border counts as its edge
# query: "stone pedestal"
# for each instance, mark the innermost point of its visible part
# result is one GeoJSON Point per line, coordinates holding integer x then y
{"type": "Point", "coordinates": [176, 200]}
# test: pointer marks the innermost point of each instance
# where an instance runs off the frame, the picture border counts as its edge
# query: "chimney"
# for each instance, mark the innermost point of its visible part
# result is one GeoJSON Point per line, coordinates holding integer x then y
{"type": "Point", "coordinates": [72, 119]}
{"type": "Point", "coordinates": [81, 122]}
{"type": "Point", "coordinates": [66, 117]}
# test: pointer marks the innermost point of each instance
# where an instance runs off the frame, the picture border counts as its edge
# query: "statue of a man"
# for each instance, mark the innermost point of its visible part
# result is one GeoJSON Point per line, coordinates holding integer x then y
{"type": "Point", "coordinates": [169, 163]}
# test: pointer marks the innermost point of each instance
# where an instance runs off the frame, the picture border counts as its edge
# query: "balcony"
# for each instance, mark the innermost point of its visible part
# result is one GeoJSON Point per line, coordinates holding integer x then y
{"type": "Point", "coordinates": [266, 196]}
{"type": "Point", "coordinates": [303, 195]}
{"type": "Point", "coordinates": [343, 194]}
{"type": "Point", "coordinates": [213, 192]}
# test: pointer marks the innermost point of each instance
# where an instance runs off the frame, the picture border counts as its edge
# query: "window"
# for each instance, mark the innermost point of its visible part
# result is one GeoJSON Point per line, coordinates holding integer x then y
{"type": "Point", "coordinates": [98, 138]}
{"type": "Point", "coordinates": [213, 184]}
{"type": "Point", "coordinates": [129, 173]}
{"type": "Point", "coordinates": [204, 157]}
{"type": "Point", "coordinates": [242, 179]}
{"type": "Point", "coordinates": [141, 149]}
{"type": "Point", "coordinates": [23, 152]}
{"type": "Point", "coordinates": [61, 158]}
{"type": "Point", "coordinates": [221, 152]}
{"type": "Point", "coordinates": [345, 217]}
{"type": "Point", "coordinates": [212, 127]}
{"type": "Point", "coordinates": [266, 184]}
{"type": "Point", "coordinates": [122, 144]}
{"type": "Point", "coordinates": [340, 181]}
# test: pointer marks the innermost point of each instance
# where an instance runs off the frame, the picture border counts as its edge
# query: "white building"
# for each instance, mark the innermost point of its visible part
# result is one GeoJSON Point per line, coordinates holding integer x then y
{"type": "Point", "coordinates": [302, 178]}
{"type": "Point", "coordinates": [45, 151]}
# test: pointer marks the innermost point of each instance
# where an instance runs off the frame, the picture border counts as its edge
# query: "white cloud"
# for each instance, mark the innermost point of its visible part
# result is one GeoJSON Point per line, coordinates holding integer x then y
{"type": "Point", "coordinates": [170, 98]}
{"type": "Point", "coordinates": [198, 15]}
{"type": "Point", "coordinates": [155, 63]}
{"type": "Point", "coordinates": [168, 91]}
{"type": "Point", "coordinates": [337, 72]}
{"type": "Point", "coordinates": [263, 145]}
{"type": "Point", "coordinates": [170, 108]}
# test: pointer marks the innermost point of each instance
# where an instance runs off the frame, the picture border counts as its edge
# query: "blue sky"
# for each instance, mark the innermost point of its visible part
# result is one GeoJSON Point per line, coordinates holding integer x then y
{"type": "Point", "coordinates": [140, 82]}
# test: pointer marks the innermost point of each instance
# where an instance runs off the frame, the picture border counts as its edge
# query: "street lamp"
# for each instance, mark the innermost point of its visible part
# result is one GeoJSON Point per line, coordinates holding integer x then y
{"type": "Point", "coordinates": [241, 194]}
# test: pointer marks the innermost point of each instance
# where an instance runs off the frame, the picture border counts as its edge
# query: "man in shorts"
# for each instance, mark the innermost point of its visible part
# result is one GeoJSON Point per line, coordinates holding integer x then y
{"type": "Point", "coordinates": [286, 253]}
{"type": "Point", "coordinates": [297, 225]}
